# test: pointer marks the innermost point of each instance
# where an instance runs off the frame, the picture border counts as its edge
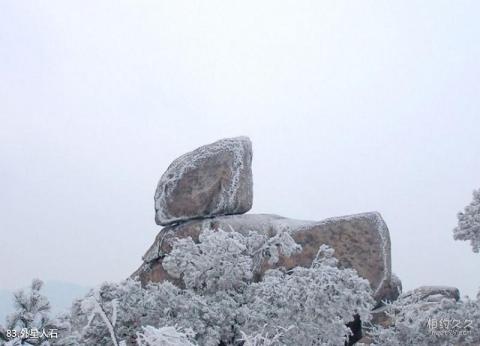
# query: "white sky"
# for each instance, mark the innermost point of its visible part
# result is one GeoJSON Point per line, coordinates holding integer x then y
{"type": "Point", "coordinates": [351, 107]}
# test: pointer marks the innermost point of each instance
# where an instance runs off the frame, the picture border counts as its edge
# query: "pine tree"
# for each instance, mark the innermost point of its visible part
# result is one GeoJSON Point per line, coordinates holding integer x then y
{"type": "Point", "coordinates": [31, 323]}
{"type": "Point", "coordinates": [469, 223]}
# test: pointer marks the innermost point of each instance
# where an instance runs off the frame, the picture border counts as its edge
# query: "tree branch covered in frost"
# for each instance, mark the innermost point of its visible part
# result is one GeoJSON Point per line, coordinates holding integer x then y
{"type": "Point", "coordinates": [220, 304]}
{"type": "Point", "coordinates": [469, 223]}
{"type": "Point", "coordinates": [224, 260]}
{"type": "Point", "coordinates": [158, 305]}
{"type": "Point", "coordinates": [262, 338]}
{"type": "Point", "coordinates": [415, 321]}
{"type": "Point", "coordinates": [316, 302]}
{"type": "Point", "coordinates": [32, 313]}
{"type": "Point", "coordinates": [165, 336]}
{"type": "Point", "coordinates": [92, 307]}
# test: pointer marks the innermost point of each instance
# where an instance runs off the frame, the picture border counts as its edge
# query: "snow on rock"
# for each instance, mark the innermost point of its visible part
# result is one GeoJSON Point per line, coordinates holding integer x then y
{"type": "Point", "coordinates": [215, 179]}
{"type": "Point", "coordinates": [418, 300]}
{"type": "Point", "coordinates": [434, 293]}
{"type": "Point", "coordinates": [393, 289]}
{"type": "Point", "coordinates": [361, 242]}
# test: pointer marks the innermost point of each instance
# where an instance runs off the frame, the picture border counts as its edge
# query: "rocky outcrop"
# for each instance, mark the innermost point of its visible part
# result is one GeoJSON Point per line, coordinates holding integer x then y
{"type": "Point", "coordinates": [434, 293]}
{"type": "Point", "coordinates": [360, 242]}
{"type": "Point", "coordinates": [215, 179]}
{"type": "Point", "coordinates": [393, 289]}
{"type": "Point", "coordinates": [210, 187]}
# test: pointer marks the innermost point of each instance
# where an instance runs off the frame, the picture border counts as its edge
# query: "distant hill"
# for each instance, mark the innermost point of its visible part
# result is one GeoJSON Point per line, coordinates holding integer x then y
{"type": "Point", "coordinates": [60, 294]}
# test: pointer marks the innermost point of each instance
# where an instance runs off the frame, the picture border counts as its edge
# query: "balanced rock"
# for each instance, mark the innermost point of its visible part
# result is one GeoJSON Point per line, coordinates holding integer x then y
{"type": "Point", "coordinates": [215, 179]}
{"type": "Point", "coordinates": [361, 242]}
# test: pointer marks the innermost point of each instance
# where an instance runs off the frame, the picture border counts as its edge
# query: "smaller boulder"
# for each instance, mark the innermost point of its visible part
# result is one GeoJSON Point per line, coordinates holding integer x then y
{"type": "Point", "coordinates": [215, 179]}
{"type": "Point", "coordinates": [392, 290]}
{"type": "Point", "coordinates": [434, 293]}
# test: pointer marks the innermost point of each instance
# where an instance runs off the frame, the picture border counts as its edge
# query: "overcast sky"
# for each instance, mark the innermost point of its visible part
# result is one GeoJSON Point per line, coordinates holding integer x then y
{"type": "Point", "coordinates": [351, 107]}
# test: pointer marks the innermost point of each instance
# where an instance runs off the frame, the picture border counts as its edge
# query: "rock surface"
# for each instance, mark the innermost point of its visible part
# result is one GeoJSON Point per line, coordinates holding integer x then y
{"type": "Point", "coordinates": [434, 293]}
{"type": "Point", "coordinates": [393, 289]}
{"type": "Point", "coordinates": [361, 242]}
{"type": "Point", "coordinates": [215, 179]}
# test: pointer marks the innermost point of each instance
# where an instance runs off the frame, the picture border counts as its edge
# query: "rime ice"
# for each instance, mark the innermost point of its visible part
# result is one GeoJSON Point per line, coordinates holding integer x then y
{"type": "Point", "coordinates": [215, 179]}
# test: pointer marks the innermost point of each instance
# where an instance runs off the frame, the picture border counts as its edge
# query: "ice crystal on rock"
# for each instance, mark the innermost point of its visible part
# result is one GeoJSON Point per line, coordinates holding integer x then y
{"type": "Point", "coordinates": [215, 179]}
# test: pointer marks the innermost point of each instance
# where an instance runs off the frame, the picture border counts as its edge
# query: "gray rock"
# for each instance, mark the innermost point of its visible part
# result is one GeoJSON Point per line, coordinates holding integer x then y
{"type": "Point", "coordinates": [361, 242]}
{"type": "Point", "coordinates": [215, 179]}
{"type": "Point", "coordinates": [434, 293]}
{"type": "Point", "coordinates": [393, 289]}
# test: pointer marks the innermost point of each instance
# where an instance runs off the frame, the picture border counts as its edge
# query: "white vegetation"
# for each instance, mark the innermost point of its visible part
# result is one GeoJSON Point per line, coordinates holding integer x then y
{"type": "Point", "coordinates": [469, 223]}
{"type": "Point", "coordinates": [224, 260]}
{"type": "Point", "coordinates": [262, 338]}
{"type": "Point", "coordinates": [165, 336]}
{"type": "Point", "coordinates": [31, 322]}
{"type": "Point", "coordinates": [415, 321]}
{"type": "Point", "coordinates": [315, 303]}
{"type": "Point", "coordinates": [220, 303]}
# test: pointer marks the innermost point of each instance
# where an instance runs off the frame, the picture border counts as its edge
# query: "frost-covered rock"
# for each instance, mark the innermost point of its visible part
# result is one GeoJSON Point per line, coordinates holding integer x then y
{"type": "Point", "coordinates": [215, 179]}
{"type": "Point", "coordinates": [434, 293]}
{"type": "Point", "coordinates": [430, 316]}
{"type": "Point", "coordinates": [392, 290]}
{"type": "Point", "coordinates": [361, 242]}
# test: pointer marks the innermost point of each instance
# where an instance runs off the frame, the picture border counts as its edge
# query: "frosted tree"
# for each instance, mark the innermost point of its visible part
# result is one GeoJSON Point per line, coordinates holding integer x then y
{"type": "Point", "coordinates": [468, 227]}
{"type": "Point", "coordinates": [314, 303]}
{"type": "Point", "coordinates": [31, 323]}
{"type": "Point", "coordinates": [263, 338]}
{"type": "Point", "coordinates": [165, 336]}
{"type": "Point", "coordinates": [127, 307]}
{"type": "Point", "coordinates": [220, 302]}
{"type": "Point", "coordinates": [225, 260]}
{"type": "Point", "coordinates": [415, 321]}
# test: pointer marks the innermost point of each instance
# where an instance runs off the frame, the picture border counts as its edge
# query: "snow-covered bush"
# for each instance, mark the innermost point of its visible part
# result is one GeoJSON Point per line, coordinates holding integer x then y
{"type": "Point", "coordinates": [220, 304]}
{"type": "Point", "coordinates": [165, 336]}
{"type": "Point", "coordinates": [224, 260]}
{"type": "Point", "coordinates": [263, 338]}
{"type": "Point", "coordinates": [31, 323]}
{"type": "Point", "coordinates": [415, 321]}
{"type": "Point", "coordinates": [215, 272]}
{"type": "Point", "coordinates": [127, 307]}
{"type": "Point", "coordinates": [468, 227]}
{"type": "Point", "coordinates": [317, 302]}
{"type": "Point", "coordinates": [314, 303]}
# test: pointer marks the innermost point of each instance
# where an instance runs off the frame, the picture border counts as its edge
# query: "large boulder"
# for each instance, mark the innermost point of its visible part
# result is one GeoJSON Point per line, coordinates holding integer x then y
{"type": "Point", "coordinates": [215, 179]}
{"type": "Point", "coordinates": [361, 242]}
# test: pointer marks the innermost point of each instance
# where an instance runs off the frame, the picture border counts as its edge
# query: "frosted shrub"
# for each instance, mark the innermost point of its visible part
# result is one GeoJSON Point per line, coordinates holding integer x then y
{"type": "Point", "coordinates": [165, 336]}
{"type": "Point", "coordinates": [418, 322]}
{"type": "Point", "coordinates": [127, 307]}
{"type": "Point", "coordinates": [224, 260]}
{"type": "Point", "coordinates": [31, 323]}
{"type": "Point", "coordinates": [262, 338]}
{"type": "Point", "coordinates": [219, 262]}
{"type": "Point", "coordinates": [469, 223]}
{"type": "Point", "coordinates": [313, 303]}
{"type": "Point", "coordinates": [220, 304]}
